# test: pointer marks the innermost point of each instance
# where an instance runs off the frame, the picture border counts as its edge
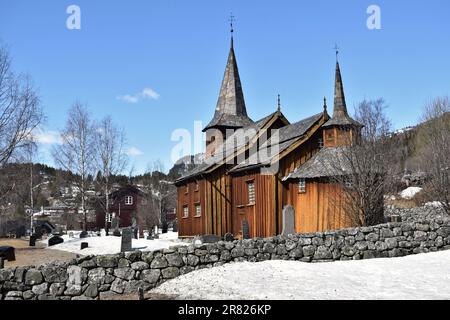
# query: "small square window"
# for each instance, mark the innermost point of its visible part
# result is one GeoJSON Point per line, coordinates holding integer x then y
{"type": "Point", "coordinates": [251, 192]}
{"type": "Point", "coordinates": [302, 186]}
{"type": "Point", "coordinates": [129, 200]}
{"type": "Point", "coordinates": [198, 210]}
{"type": "Point", "coordinates": [185, 211]}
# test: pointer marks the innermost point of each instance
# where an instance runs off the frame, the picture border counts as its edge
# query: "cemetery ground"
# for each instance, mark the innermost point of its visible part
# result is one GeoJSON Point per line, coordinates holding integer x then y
{"type": "Point", "coordinates": [26, 255]}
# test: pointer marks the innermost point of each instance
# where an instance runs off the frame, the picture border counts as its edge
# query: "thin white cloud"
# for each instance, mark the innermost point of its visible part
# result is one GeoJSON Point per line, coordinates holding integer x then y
{"type": "Point", "coordinates": [146, 93]}
{"type": "Point", "coordinates": [48, 137]}
{"type": "Point", "coordinates": [134, 152]}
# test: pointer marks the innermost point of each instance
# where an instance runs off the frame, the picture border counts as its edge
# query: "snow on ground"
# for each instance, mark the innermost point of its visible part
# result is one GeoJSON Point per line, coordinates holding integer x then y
{"type": "Point", "coordinates": [423, 276]}
{"type": "Point", "coordinates": [410, 192]}
{"type": "Point", "coordinates": [111, 244]}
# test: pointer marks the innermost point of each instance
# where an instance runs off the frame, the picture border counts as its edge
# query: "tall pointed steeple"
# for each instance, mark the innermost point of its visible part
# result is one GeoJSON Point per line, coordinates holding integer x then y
{"type": "Point", "coordinates": [340, 114]}
{"type": "Point", "coordinates": [230, 110]}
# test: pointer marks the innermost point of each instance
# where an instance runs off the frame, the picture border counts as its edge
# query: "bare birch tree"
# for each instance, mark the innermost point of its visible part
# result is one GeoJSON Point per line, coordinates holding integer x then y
{"type": "Point", "coordinates": [362, 166]}
{"type": "Point", "coordinates": [433, 145]}
{"type": "Point", "coordinates": [110, 158]}
{"type": "Point", "coordinates": [20, 114]}
{"type": "Point", "coordinates": [76, 153]}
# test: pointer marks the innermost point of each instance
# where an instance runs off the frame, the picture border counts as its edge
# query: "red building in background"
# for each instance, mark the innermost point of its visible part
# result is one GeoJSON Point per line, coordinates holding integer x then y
{"type": "Point", "coordinates": [125, 204]}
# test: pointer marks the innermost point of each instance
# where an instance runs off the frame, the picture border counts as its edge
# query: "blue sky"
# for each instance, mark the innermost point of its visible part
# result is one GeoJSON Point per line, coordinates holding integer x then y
{"type": "Point", "coordinates": [178, 49]}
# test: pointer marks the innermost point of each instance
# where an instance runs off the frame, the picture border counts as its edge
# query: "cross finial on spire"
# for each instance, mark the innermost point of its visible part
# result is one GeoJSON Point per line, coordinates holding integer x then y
{"type": "Point", "coordinates": [336, 48]}
{"type": "Point", "coordinates": [231, 27]}
{"type": "Point", "coordinates": [231, 22]}
{"type": "Point", "coordinates": [325, 103]}
{"type": "Point", "coordinates": [279, 104]}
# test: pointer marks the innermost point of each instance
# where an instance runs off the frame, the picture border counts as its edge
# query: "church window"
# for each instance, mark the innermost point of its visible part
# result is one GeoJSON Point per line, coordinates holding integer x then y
{"type": "Point", "coordinates": [302, 186]}
{"type": "Point", "coordinates": [251, 192]}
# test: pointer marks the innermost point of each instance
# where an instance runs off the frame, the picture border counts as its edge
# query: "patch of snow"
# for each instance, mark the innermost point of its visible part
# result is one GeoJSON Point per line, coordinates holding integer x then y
{"type": "Point", "coordinates": [410, 192]}
{"type": "Point", "coordinates": [111, 244]}
{"type": "Point", "coordinates": [435, 204]}
{"type": "Point", "coordinates": [422, 276]}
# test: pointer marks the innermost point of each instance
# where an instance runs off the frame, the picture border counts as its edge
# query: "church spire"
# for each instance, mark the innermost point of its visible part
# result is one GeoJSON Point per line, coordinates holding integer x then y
{"type": "Point", "coordinates": [230, 109]}
{"type": "Point", "coordinates": [340, 114]}
{"type": "Point", "coordinates": [340, 107]}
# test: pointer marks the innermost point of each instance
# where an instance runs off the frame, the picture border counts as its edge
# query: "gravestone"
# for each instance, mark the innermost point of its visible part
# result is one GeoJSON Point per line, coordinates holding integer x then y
{"type": "Point", "coordinates": [228, 237]}
{"type": "Point", "coordinates": [134, 227]}
{"type": "Point", "coordinates": [288, 220]}
{"type": "Point", "coordinates": [55, 240]}
{"type": "Point", "coordinates": [33, 239]}
{"type": "Point", "coordinates": [84, 245]}
{"type": "Point", "coordinates": [126, 240]}
{"type": "Point", "coordinates": [165, 227]}
{"type": "Point", "coordinates": [245, 230]}
{"type": "Point", "coordinates": [210, 238]}
{"type": "Point", "coordinates": [8, 253]}
{"type": "Point", "coordinates": [175, 226]}
{"type": "Point", "coordinates": [70, 234]}
{"type": "Point", "coordinates": [117, 233]}
{"type": "Point", "coordinates": [2, 263]}
{"type": "Point", "coordinates": [83, 234]}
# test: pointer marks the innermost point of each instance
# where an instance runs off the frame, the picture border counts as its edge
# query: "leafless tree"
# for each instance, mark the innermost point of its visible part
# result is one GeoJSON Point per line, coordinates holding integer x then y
{"type": "Point", "coordinates": [110, 158]}
{"type": "Point", "coordinates": [433, 148]}
{"type": "Point", "coordinates": [362, 167]}
{"type": "Point", "coordinates": [76, 153]}
{"type": "Point", "coordinates": [20, 113]}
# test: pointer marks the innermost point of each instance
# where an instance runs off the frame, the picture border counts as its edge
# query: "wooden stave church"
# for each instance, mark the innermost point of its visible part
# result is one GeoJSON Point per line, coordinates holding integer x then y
{"type": "Point", "coordinates": [217, 195]}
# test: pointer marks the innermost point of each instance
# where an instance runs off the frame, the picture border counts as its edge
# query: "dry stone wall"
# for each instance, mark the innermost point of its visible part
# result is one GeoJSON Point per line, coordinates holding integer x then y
{"type": "Point", "coordinates": [102, 276]}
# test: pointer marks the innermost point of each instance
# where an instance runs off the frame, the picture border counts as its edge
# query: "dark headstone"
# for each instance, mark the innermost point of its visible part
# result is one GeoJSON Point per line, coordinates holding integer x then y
{"type": "Point", "coordinates": [228, 237]}
{"type": "Point", "coordinates": [126, 240]}
{"type": "Point", "coordinates": [288, 220]}
{"type": "Point", "coordinates": [84, 245]}
{"type": "Point", "coordinates": [8, 253]}
{"type": "Point", "coordinates": [135, 233]}
{"type": "Point", "coordinates": [150, 237]}
{"type": "Point", "coordinates": [117, 233]}
{"type": "Point", "coordinates": [33, 239]}
{"type": "Point", "coordinates": [245, 230]}
{"type": "Point", "coordinates": [83, 234]}
{"type": "Point", "coordinates": [55, 240]}
{"type": "Point", "coordinates": [175, 226]}
{"type": "Point", "coordinates": [210, 238]}
{"type": "Point", "coordinates": [2, 263]}
{"type": "Point", "coordinates": [165, 227]}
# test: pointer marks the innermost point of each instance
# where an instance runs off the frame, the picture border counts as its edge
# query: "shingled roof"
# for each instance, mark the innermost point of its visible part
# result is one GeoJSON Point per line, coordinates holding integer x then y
{"type": "Point", "coordinates": [208, 163]}
{"type": "Point", "coordinates": [328, 162]}
{"type": "Point", "coordinates": [340, 115]}
{"type": "Point", "coordinates": [288, 135]}
{"type": "Point", "coordinates": [230, 110]}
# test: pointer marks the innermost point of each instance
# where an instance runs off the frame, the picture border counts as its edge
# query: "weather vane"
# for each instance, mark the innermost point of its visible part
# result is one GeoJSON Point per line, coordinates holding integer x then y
{"type": "Point", "coordinates": [231, 21]}
{"type": "Point", "coordinates": [337, 50]}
